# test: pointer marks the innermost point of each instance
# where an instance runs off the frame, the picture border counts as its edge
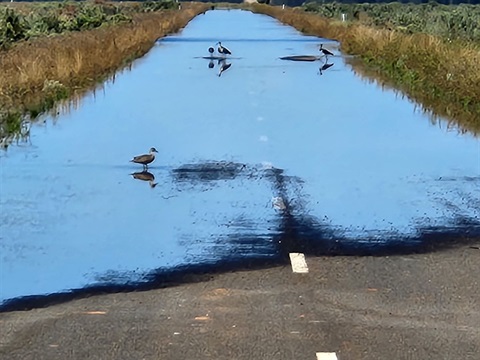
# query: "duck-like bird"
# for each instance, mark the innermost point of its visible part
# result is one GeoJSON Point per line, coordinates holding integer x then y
{"type": "Point", "coordinates": [146, 158]}
{"type": "Point", "coordinates": [223, 49]}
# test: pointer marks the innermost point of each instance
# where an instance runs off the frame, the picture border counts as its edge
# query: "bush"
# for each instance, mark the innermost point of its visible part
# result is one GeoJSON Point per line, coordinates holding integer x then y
{"type": "Point", "coordinates": [90, 17]}
{"type": "Point", "coordinates": [149, 6]}
{"type": "Point", "coordinates": [54, 18]}
{"type": "Point", "coordinates": [447, 21]}
{"type": "Point", "coordinates": [12, 27]}
{"type": "Point", "coordinates": [43, 24]}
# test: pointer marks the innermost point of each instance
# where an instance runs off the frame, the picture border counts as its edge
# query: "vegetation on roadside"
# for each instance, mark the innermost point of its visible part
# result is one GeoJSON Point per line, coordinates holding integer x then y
{"type": "Point", "coordinates": [39, 72]}
{"type": "Point", "coordinates": [442, 75]}
{"type": "Point", "coordinates": [39, 19]}
{"type": "Point", "coordinates": [452, 22]}
{"type": "Point", "coordinates": [52, 50]}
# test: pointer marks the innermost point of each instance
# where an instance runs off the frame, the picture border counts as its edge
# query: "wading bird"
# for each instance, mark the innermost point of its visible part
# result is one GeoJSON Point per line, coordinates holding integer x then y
{"type": "Point", "coordinates": [145, 159]}
{"type": "Point", "coordinates": [223, 50]}
{"type": "Point", "coordinates": [325, 51]}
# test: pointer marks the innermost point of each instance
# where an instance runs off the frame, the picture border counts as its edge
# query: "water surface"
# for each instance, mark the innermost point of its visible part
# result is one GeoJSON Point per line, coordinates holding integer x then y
{"type": "Point", "coordinates": [269, 157]}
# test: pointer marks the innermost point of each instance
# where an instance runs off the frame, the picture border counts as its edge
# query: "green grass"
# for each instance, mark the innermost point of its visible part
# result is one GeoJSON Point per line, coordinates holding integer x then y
{"type": "Point", "coordinates": [49, 18]}
{"type": "Point", "coordinates": [453, 22]}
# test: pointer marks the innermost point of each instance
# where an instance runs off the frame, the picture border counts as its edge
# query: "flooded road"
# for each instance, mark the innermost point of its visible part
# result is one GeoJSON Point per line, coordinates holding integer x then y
{"type": "Point", "coordinates": [270, 157]}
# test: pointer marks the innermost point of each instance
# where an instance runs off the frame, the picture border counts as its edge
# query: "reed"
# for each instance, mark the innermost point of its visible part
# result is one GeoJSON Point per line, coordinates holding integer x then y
{"type": "Point", "coordinates": [37, 73]}
{"type": "Point", "coordinates": [443, 75]}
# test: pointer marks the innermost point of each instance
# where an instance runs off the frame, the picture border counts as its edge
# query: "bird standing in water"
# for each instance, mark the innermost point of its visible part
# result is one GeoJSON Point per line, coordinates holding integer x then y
{"type": "Point", "coordinates": [223, 50]}
{"type": "Point", "coordinates": [146, 158]}
{"type": "Point", "coordinates": [325, 51]}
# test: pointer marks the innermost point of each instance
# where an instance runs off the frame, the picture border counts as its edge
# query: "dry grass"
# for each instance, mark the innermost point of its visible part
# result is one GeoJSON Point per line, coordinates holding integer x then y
{"type": "Point", "coordinates": [443, 76]}
{"type": "Point", "coordinates": [81, 58]}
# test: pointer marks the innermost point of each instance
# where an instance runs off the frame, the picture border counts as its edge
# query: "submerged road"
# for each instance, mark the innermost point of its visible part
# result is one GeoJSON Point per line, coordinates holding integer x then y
{"type": "Point", "coordinates": [421, 306]}
{"type": "Point", "coordinates": [267, 159]}
{"type": "Point", "coordinates": [291, 213]}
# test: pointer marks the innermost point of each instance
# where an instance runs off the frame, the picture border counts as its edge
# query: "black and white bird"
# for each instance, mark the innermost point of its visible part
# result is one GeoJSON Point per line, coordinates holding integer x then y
{"type": "Point", "coordinates": [223, 49]}
{"type": "Point", "coordinates": [325, 51]}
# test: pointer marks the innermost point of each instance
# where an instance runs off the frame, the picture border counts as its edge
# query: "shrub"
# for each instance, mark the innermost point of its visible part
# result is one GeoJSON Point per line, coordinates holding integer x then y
{"type": "Point", "coordinates": [89, 17]}
{"type": "Point", "coordinates": [12, 27]}
{"type": "Point", "coordinates": [448, 21]}
{"type": "Point", "coordinates": [149, 6]}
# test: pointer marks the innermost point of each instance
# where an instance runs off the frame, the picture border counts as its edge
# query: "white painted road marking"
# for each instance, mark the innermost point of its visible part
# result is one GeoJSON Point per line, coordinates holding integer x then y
{"type": "Point", "coordinates": [299, 265]}
{"type": "Point", "coordinates": [326, 356]}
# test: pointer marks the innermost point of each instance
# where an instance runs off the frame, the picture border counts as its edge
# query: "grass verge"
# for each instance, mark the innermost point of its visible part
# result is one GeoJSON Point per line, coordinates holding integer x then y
{"type": "Point", "coordinates": [39, 72]}
{"type": "Point", "coordinates": [443, 76]}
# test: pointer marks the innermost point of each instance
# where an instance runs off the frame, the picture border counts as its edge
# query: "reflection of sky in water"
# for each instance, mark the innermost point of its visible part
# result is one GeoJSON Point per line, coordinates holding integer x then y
{"type": "Point", "coordinates": [363, 162]}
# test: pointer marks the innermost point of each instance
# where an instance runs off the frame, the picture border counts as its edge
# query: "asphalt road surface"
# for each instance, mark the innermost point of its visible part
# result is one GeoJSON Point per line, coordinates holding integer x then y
{"type": "Point", "coordinates": [423, 306]}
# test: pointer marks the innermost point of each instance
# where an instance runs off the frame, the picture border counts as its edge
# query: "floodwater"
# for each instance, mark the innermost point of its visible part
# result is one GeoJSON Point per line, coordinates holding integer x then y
{"type": "Point", "coordinates": [269, 157]}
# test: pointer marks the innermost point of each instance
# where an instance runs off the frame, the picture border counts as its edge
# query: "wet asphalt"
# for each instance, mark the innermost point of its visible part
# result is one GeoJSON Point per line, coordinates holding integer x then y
{"type": "Point", "coordinates": [418, 306]}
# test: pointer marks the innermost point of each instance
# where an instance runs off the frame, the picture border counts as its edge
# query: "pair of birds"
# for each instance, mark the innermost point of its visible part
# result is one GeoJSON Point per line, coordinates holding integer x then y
{"type": "Point", "coordinates": [221, 49]}
{"type": "Point", "coordinates": [222, 62]}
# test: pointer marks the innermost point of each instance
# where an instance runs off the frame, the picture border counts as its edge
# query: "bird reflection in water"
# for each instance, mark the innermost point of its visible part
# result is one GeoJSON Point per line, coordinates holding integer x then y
{"type": "Point", "coordinates": [324, 67]}
{"type": "Point", "coordinates": [223, 66]}
{"type": "Point", "coordinates": [220, 58]}
{"type": "Point", "coordinates": [310, 58]}
{"type": "Point", "coordinates": [145, 176]}
{"type": "Point", "coordinates": [326, 53]}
